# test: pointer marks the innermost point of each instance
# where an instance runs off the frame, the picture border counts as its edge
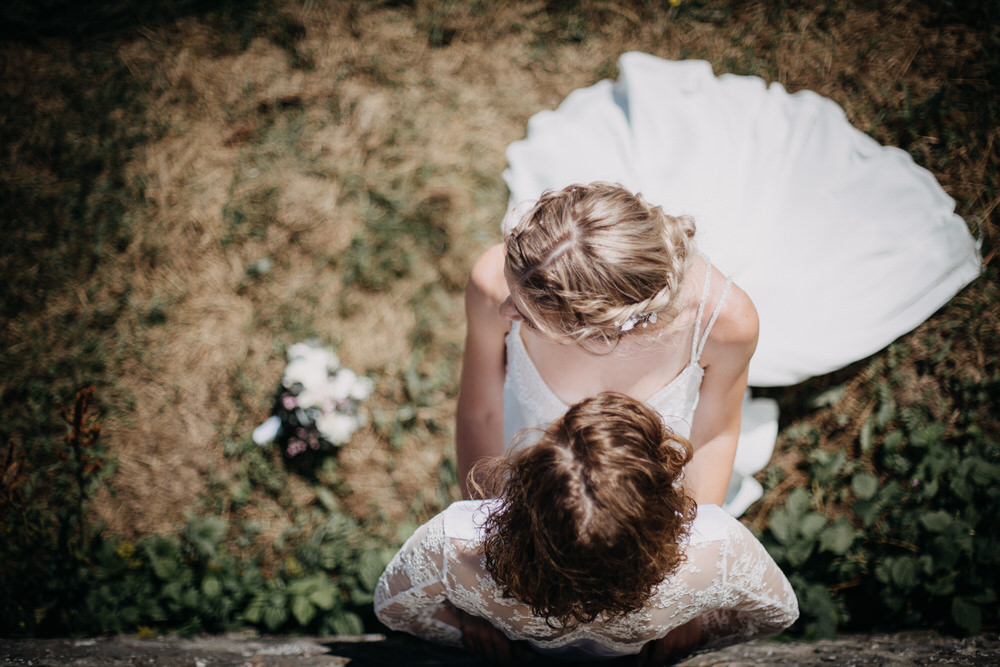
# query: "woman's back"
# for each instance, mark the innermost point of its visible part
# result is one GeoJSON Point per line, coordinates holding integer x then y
{"type": "Point", "coordinates": [661, 369]}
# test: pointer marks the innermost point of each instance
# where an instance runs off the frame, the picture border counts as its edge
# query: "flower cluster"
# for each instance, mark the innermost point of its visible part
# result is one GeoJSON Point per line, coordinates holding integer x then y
{"type": "Point", "coordinates": [316, 407]}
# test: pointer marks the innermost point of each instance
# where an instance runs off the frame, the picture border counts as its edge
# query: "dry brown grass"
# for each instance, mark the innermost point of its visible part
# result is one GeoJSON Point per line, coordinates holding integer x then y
{"type": "Point", "coordinates": [383, 108]}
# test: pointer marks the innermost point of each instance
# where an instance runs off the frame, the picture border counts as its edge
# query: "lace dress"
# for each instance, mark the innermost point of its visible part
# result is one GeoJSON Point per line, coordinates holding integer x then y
{"type": "Point", "coordinates": [728, 579]}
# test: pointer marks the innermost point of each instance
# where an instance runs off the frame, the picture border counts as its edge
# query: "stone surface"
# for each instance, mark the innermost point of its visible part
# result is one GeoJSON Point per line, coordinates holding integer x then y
{"type": "Point", "coordinates": [903, 649]}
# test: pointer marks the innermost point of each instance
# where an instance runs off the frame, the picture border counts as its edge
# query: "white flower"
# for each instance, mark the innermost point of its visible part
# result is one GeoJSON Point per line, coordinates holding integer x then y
{"type": "Point", "coordinates": [362, 389]}
{"type": "Point", "coordinates": [341, 384]}
{"type": "Point", "coordinates": [315, 353]}
{"type": "Point", "coordinates": [305, 372]}
{"type": "Point", "coordinates": [309, 365]}
{"type": "Point", "coordinates": [267, 432]}
{"type": "Point", "coordinates": [308, 398]}
{"type": "Point", "coordinates": [337, 427]}
{"type": "Point", "coordinates": [324, 395]}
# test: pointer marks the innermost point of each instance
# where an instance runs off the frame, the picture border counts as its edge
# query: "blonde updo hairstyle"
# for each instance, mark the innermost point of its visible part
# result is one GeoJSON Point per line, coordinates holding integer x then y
{"type": "Point", "coordinates": [587, 258]}
{"type": "Point", "coordinates": [592, 516]}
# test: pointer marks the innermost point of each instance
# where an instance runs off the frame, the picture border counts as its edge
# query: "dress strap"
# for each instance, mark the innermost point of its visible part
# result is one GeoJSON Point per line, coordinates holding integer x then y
{"type": "Point", "coordinates": [695, 351]}
{"type": "Point", "coordinates": [700, 337]}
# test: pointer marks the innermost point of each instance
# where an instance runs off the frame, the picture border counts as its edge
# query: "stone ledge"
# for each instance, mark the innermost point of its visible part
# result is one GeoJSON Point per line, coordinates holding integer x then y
{"type": "Point", "coordinates": [904, 649]}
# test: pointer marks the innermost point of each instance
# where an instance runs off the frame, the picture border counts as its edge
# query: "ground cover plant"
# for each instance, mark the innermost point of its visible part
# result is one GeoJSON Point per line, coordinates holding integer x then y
{"type": "Point", "coordinates": [186, 190]}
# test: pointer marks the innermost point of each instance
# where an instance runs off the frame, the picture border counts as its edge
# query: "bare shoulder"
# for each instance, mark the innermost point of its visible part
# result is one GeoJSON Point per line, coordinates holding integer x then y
{"type": "Point", "coordinates": [487, 285]}
{"type": "Point", "coordinates": [738, 318]}
{"type": "Point", "coordinates": [737, 327]}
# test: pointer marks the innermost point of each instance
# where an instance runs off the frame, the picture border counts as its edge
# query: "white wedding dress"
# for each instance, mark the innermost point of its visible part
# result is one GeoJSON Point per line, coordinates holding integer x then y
{"type": "Point", "coordinates": [727, 578]}
{"type": "Point", "coordinates": [842, 244]}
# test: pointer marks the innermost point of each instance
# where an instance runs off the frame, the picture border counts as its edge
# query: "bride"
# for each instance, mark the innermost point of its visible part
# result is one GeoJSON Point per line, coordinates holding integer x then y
{"type": "Point", "coordinates": [596, 290]}
{"type": "Point", "coordinates": [835, 246]}
{"type": "Point", "coordinates": [593, 549]}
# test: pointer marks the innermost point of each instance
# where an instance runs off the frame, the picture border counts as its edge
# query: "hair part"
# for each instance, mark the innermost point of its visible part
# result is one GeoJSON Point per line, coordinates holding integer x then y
{"type": "Point", "coordinates": [587, 258]}
{"type": "Point", "coordinates": [593, 515]}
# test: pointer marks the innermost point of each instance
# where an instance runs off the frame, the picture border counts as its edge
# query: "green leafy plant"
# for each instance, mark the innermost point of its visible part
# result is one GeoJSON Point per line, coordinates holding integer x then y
{"type": "Point", "coordinates": [45, 493]}
{"type": "Point", "coordinates": [898, 531]}
{"type": "Point", "coordinates": [64, 576]}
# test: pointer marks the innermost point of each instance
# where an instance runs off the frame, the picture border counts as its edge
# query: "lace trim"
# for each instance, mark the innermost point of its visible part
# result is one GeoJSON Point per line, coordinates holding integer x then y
{"type": "Point", "coordinates": [728, 578]}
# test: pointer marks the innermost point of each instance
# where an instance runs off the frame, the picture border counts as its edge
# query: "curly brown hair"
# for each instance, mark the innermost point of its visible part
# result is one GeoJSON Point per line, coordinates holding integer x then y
{"type": "Point", "coordinates": [592, 516]}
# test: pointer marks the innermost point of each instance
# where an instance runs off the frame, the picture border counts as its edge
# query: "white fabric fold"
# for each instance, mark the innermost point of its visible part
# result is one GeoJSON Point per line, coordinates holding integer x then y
{"type": "Point", "coordinates": [842, 244]}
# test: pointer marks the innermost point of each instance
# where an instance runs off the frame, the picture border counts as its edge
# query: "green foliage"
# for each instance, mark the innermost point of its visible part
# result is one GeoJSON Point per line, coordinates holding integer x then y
{"type": "Point", "coordinates": [197, 582]}
{"type": "Point", "coordinates": [63, 576]}
{"type": "Point", "coordinates": [45, 493]}
{"type": "Point", "coordinates": [395, 236]}
{"type": "Point", "coordinates": [900, 531]}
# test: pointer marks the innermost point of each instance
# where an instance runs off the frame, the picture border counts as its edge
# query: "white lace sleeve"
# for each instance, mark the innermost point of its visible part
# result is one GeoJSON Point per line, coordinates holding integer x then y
{"type": "Point", "coordinates": [411, 595]}
{"type": "Point", "coordinates": [758, 600]}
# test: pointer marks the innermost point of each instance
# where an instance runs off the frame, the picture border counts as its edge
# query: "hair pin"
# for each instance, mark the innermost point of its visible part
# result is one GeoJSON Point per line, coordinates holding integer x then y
{"type": "Point", "coordinates": [642, 318]}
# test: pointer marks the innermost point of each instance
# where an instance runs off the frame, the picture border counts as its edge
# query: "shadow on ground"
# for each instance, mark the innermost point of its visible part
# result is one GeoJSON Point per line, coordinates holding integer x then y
{"type": "Point", "coordinates": [888, 650]}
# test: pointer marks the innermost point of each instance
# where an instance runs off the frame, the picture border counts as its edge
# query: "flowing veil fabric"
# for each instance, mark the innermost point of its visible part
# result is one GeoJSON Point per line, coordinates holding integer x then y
{"type": "Point", "coordinates": [842, 244]}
